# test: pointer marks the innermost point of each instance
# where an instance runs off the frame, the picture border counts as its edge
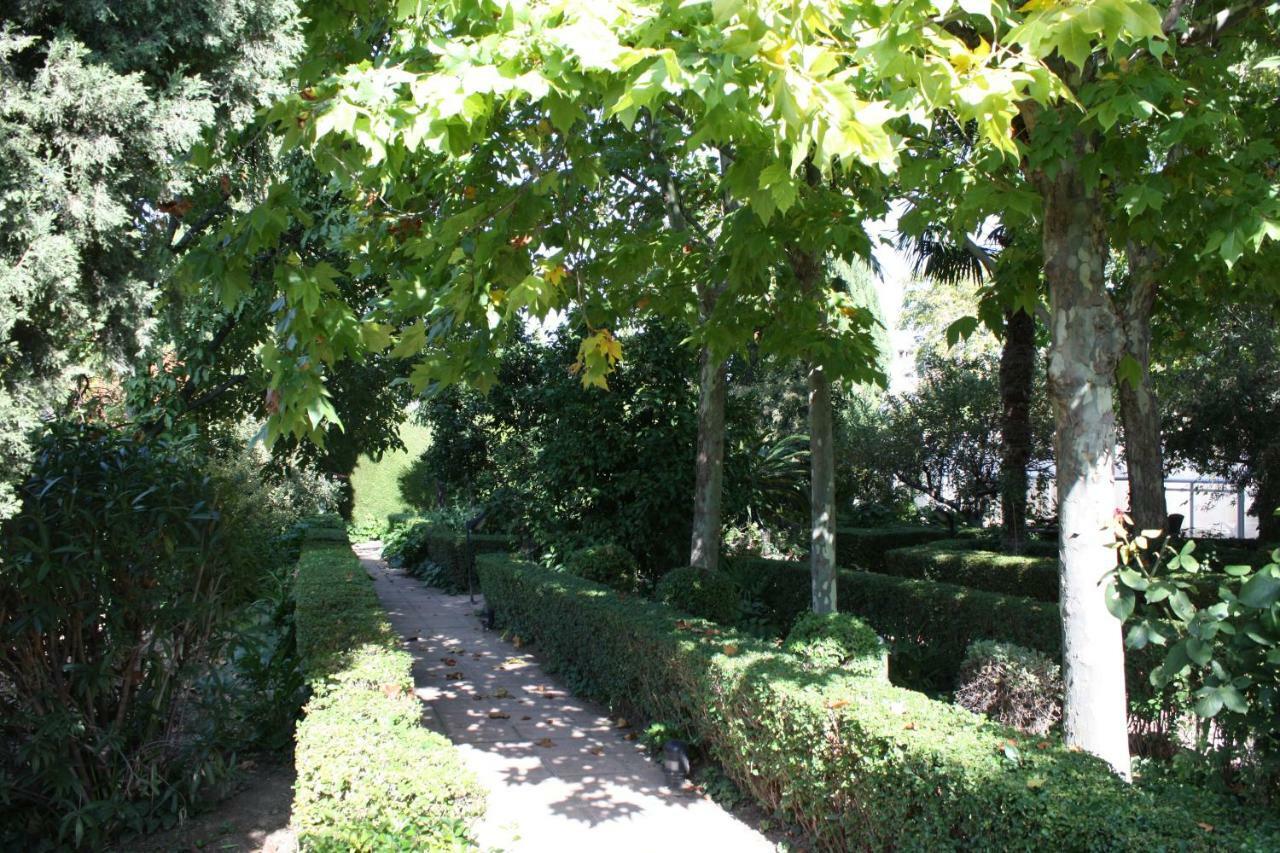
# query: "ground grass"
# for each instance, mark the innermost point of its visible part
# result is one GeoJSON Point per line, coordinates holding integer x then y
{"type": "Point", "coordinates": [377, 484]}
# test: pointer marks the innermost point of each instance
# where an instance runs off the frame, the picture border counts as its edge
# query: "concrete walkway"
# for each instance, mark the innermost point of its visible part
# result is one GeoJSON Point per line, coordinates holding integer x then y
{"type": "Point", "coordinates": [562, 776]}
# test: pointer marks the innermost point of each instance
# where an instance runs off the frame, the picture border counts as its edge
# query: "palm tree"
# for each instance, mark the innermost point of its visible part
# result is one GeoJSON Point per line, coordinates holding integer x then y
{"type": "Point", "coordinates": [936, 257]}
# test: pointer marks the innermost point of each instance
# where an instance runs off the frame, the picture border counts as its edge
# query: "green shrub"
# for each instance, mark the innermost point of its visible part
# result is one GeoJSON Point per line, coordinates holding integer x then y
{"type": "Point", "coordinates": [1033, 577]}
{"type": "Point", "coordinates": [417, 544]}
{"type": "Point", "coordinates": [863, 547]}
{"type": "Point", "coordinates": [826, 640]}
{"type": "Point", "coordinates": [702, 593]}
{"type": "Point", "coordinates": [927, 625]}
{"type": "Point", "coordinates": [113, 610]}
{"type": "Point", "coordinates": [369, 776]}
{"type": "Point", "coordinates": [854, 762]}
{"type": "Point", "coordinates": [608, 564]}
{"type": "Point", "coordinates": [1018, 687]}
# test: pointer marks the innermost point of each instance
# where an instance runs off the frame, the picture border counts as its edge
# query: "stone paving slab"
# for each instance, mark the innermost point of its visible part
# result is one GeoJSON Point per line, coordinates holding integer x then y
{"type": "Point", "coordinates": [561, 775]}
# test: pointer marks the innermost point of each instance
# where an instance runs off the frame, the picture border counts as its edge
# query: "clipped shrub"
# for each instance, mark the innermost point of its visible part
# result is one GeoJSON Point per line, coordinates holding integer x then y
{"type": "Point", "coordinates": [608, 564]}
{"type": "Point", "coordinates": [838, 640]}
{"type": "Point", "coordinates": [1033, 577]}
{"type": "Point", "coordinates": [1016, 686]}
{"type": "Point", "coordinates": [415, 544]}
{"type": "Point", "coordinates": [702, 593]}
{"type": "Point", "coordinates": [863, 547]}
{"type": "Point", "coordinates": [928, 625]}
{"type": "Point", "coordinates": [854, 762]}
{"type": "Point", "coordinates": [369, 776]}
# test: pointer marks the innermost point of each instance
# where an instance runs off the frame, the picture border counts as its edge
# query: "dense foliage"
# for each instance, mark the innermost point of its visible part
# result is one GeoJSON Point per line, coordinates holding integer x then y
{"type": "Point", "coordinates": [826, 640]}
{"type": "Point", "coordinates": [606, 564]}
{"type": "Point", "coordinates": [1223, 653]}
{"type": "Point", "coordinates": [140, 638]}
{"type": "Point", "coordinates": [98, 111]}
{"type": "Point", "coordinates": [960, 562]}
{"type": "Point", "coordinates": [706, 594]}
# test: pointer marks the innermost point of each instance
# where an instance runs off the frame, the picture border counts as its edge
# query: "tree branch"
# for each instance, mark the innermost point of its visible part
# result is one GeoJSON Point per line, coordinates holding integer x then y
{"type": "Point", "coordinates": [1220, 22]}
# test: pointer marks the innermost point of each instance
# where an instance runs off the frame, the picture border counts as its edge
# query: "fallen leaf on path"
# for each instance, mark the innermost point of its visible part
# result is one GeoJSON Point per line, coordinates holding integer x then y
{"type": "Point", "coordinates": [448, 661]}
{"type": "Point", "coordinates": [499, 715]}
{"type": "Point", "coordinates": [632, 736]}
{"type": "Point", "coordinates": [454, 676]}
{"type": "Point", "coordinates": [526, 718]}
{"type": "Point", "coordinates": [597, 750]}
{"type": "Point", "coordinates": [621, 723]}
{"type": "Point", "coordinates": [546, 741]}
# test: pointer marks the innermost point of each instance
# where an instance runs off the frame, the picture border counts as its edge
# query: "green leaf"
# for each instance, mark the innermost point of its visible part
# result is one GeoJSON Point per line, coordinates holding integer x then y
{"type": "Point", "coordinates": [1199, 651]}
{"type": "Point", "coordinates": [1119, 601]}
{"type": "Point", "coordinates": [1261, 591]}
{"type": "Point", "coordinates": [1182, 606]}
{"type": "Point", "coordinates": [1209, 703]}
{"type": "Point", "coordinates": [1129, 371]}
{"type": "Point", "coordinates": [961, 329]}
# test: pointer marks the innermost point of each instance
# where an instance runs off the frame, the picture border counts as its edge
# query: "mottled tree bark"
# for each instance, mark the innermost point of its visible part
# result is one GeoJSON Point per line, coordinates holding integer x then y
{"type": "Point", "coordinates": [1086, 344]}
{"type": "Point", "coordinates": [822, 545]}
{"type": "Point", "coordinates": [1139, 408]}
{"type": "Point", "coordinates": [1267, 476]}
{"type": "Point", "coordinates": [1017, 384]}
{"type": "Point", "coordinates": [704, 551]}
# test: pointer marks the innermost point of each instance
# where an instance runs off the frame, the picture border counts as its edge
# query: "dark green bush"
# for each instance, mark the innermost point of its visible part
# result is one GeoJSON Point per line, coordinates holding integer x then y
{"type": "Point", "coordinates": [854, 762]}
{"type": "Point", "coordinates": [1018, 687]}
{"type": "Point", "coordinates": [1034, 577]}
{"type": "Point", "coordinates": [928, 625]}
{"type": "Point", "coordinates": [826, 640]}
{"type": "Point", "coordinates": [113, 604]}
{"type": "Point", "coordinates": [370, 777]}
{"type": "Point", "coordinates": [418, 543]}
{"type": "Point", "coordinates": [863, 547]}
{"type": "Point", "coordinates": [702, 593]}
{"type": "Point", "coordinates": [608, 564]}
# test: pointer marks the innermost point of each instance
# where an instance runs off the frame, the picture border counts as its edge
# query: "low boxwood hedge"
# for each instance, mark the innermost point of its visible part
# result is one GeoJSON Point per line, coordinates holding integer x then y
{"type": "Point", "coordinates": [928, 625]}
{"type": "Point", "coordinates": [369, 776]}
{"type": "Point", "coordinates": [862, 547]}
{"type": "Point", "coordinates": [1033, 577]}
{"type": "Point", "coordinates": [853, 761]}
{"type": "Point", "coordinates": [422, 542]}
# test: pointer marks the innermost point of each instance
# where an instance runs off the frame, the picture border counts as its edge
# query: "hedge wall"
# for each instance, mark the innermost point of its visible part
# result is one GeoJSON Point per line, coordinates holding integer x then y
{"type": "Point", "coordinates": [961, 564]}
{"type": "Point", "coordinates": [424, 542]}
{"type": "Point", "coordinates": [369, 776]}
{"type": "Point", "coordinates": [863, 547]}
{"type": "Point", "coordinates": [928, 624]}
{"type": "Point", "coordinates": [448, 549]}
{"type": "Point", "coordinates": [855, 762]}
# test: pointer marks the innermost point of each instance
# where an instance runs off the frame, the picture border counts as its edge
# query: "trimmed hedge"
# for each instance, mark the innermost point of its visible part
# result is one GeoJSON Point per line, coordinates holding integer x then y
{"type": "Point", "coordinates": [855, 762]}
{"type": "Point", "coordinates": [927, 624]}
{"type": "Point", "coordinates": [825, 640]}
{"type": "Point", "coordinates": [958, 563]}
{"type": "Point", "coordinates": [370, 777]}
{"type": "Point", "coordinates": [425, 542]}
{"type": "Point", "coordinates": [709, 594]}
{"type": "Point", "coordinates": [863, 547]}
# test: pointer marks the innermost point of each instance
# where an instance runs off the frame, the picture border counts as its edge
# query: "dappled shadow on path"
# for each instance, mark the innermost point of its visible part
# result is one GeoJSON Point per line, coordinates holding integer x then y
{"type": "Point", "coordinates": [561, 773]}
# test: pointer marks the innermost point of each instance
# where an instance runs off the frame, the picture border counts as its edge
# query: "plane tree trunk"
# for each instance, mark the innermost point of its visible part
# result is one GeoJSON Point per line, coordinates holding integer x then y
{"type": "Point", "coordinates": [1086, 345]}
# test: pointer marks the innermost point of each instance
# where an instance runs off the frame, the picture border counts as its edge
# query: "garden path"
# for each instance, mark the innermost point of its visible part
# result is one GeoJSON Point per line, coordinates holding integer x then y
{"type": "Point", "coordinates": [561, 775]}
